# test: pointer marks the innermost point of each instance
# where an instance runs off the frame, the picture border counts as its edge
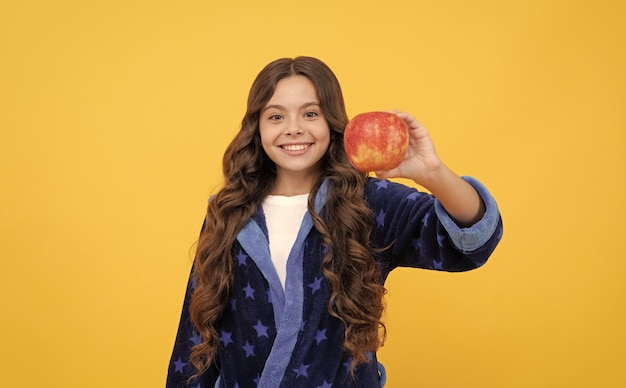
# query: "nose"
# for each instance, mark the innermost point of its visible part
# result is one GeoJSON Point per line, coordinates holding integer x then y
{"type": "Point", "coordinates": [294, 129]}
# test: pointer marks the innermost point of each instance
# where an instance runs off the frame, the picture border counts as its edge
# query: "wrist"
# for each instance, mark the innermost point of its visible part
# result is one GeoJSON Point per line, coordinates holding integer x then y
{"type": "Point", "coordinates": [436, 176]}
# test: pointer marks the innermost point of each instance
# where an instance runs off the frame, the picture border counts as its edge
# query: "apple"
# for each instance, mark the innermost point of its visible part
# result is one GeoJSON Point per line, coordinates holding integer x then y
{"type": "Point", "coordinates": [376, 141]}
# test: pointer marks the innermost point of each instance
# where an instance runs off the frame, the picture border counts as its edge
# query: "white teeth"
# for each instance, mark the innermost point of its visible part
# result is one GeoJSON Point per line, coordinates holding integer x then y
{"type": "Point", "coordinates": [295, 147]}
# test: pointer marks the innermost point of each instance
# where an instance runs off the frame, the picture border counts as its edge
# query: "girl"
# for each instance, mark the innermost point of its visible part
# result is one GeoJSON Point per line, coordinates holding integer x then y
{"type": "Point", "coordinates": [287, 284]}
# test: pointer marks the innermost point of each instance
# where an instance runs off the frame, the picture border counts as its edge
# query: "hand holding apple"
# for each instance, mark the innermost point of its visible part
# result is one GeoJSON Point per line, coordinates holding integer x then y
{"type": "Point", "coordinates": [368, 147]}
{"type": "Point", "coordinates": [372, 141]}
{"type": "Point", "coordinates": [376, 141]}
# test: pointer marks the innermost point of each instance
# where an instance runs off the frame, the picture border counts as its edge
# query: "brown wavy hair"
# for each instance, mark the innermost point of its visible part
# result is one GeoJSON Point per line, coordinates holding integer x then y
{"type": "Point", "coordinates": [345, 224]}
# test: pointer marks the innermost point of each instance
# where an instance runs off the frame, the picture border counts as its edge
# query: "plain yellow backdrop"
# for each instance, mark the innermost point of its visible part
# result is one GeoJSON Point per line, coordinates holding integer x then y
{"type": "Point", "coordinates": [114, 116]}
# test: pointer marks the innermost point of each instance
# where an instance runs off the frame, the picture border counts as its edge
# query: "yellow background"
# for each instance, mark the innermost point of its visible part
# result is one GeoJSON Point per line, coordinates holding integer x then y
{"type": "Point", "coordinates": [114, 116]}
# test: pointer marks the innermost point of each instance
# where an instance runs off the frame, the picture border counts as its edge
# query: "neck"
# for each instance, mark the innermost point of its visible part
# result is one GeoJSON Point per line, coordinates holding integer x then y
{"type": "Point", "coordinates": [291, 185]}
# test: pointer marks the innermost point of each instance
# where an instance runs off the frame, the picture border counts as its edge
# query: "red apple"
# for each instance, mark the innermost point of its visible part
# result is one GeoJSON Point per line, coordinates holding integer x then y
{"type": "Point", "coordinates": [376, 141]}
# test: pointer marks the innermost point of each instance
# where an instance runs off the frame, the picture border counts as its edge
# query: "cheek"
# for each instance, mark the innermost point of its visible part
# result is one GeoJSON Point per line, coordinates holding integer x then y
{"type": "Point", "coordinates": [324, 130]}
{"type": "Point", "coordinates": [327, 144]}
{"type": "Point", "coordinates": [326, 137]}
{"type": "Point", "coordinates": [266, 139]}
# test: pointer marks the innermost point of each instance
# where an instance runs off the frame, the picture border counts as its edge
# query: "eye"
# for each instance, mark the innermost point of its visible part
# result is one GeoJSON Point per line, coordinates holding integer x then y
{"type": "Point", "coordinates": [311, 114]}
{"type": "Point", "coordinates": [275, 117]}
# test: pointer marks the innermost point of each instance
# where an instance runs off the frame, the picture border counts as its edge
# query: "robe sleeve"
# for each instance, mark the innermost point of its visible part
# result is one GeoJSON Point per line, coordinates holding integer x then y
{"type": "Point", "coordinates": [413, 229]}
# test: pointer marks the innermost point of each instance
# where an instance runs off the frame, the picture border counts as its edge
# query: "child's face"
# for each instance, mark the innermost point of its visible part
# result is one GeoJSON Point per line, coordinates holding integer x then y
{"type": "Point", "coordinates": [294, 132]}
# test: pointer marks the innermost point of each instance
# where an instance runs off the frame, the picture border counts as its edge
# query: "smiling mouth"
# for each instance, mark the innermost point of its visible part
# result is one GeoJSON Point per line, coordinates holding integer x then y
{"type": "Point", "coordinates": [295, 147]}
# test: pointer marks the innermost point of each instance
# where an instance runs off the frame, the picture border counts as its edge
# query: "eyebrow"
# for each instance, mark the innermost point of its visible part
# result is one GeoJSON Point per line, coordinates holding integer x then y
{"type": "Point", "coordinates": [280, 107]}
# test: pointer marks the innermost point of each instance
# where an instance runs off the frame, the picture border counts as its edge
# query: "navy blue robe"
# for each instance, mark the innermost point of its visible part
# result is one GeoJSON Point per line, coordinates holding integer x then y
{"type": "Point", "coordinates": [275, 338]}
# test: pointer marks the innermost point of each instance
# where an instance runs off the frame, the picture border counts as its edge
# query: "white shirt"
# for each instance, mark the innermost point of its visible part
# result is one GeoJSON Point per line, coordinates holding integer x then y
{"type": "Point", "coordinates": [283, 217]}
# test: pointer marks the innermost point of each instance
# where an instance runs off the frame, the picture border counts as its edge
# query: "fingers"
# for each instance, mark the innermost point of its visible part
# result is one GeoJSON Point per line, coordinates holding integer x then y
{"type": "Point", "coordinates": [393, 173]}
{"type": "Point", "coordinates": [411, 121]}
{"type": "Point", "coordinates": [383, 174]}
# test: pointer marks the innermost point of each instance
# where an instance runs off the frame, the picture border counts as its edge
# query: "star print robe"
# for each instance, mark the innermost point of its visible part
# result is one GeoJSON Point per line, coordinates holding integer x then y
{"type": "Point", "coordinates": [283, 338]}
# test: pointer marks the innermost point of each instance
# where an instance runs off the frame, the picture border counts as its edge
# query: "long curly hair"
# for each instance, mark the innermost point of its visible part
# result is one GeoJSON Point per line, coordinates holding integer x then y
{"type": "Point", "coordinates": [345, 223]}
